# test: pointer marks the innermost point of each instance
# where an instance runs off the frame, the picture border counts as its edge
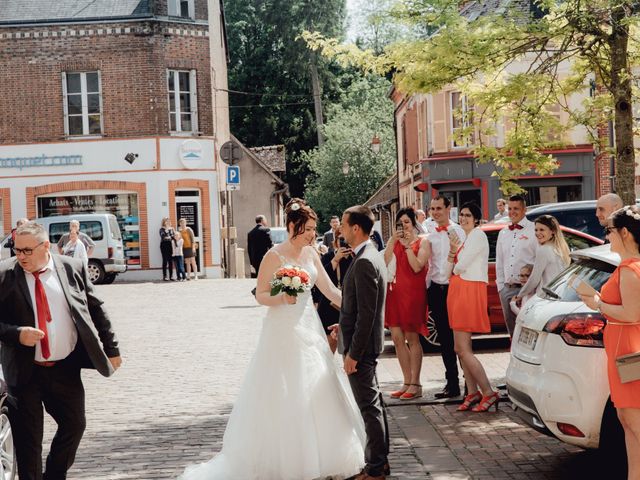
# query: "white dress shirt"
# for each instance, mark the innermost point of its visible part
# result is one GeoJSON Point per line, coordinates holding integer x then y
{"type": "Point", "coordinates": [61, 330]}
{"type": "Point", "coordinates": [473, 258]}
{"type": "Point", "coordinates": [357, 248]}
{"type": "Point", "coordinates": [514, 249]}
{"type": "Point", "coordinates": [440, 247]}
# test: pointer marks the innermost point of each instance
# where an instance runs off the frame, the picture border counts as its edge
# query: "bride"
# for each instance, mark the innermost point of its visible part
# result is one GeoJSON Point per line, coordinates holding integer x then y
{"type": "Point", "coordinates": [295, 417]}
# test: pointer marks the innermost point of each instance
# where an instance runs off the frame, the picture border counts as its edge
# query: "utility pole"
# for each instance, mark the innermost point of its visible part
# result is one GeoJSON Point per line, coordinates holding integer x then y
{"type": "Point", "coordinates": [317, 97]}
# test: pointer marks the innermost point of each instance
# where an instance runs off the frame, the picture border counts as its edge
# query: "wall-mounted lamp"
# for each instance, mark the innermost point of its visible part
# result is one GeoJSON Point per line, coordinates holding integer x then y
{"type": "Point", "coordinates": [375, 144]}
{"type": "Point", "coordinates": [130, 158]}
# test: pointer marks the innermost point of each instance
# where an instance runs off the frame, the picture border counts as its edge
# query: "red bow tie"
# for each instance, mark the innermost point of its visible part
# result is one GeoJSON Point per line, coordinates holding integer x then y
{"type": "Point", "coordinates": [514, 226]}
{"type": "Point", "coordinates": [442, 229]}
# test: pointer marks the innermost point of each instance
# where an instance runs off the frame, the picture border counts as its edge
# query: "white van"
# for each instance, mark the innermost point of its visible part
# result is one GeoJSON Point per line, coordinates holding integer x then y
{"type": "Point", "coordinates": [107, 258]}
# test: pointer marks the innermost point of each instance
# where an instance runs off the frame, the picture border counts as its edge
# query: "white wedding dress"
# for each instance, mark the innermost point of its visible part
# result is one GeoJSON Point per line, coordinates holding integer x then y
{"type": "Point", "coordinates": [295, 417]}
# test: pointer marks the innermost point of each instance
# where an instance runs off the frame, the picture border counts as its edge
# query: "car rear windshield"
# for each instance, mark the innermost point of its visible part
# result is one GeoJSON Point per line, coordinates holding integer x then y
{"type": "Point", "coordinates": [115, 229]}
{"type": "Point", "coordinates": [594, 272]}
{"type": "Point", "coordinates": [91, 228]}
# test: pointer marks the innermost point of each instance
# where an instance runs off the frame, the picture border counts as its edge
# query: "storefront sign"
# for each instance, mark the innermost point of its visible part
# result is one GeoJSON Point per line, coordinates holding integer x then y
{"type": "Point", "coordinates": [191, 154]}
{"type": "Point", "coordinates": [41, 161]}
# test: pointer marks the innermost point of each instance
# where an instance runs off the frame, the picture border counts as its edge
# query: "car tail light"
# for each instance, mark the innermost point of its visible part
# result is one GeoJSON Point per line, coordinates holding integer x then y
{"type": "Point", "coordinates": [579, 329]}
{"type": "Point", "coordinates": [110, 252]}
{"type": "Point", "coordinates": [570, 430]}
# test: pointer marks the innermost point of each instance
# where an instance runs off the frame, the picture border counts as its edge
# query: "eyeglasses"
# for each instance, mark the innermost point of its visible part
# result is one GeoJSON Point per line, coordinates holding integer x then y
{"type": "Point", "coordinates": [26, 251]}
{"type": "Point", "coordinates": [608, 230]}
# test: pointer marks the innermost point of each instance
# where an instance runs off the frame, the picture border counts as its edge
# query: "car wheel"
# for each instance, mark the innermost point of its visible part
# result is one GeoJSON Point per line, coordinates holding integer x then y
{"type": "Point", "coordinates": [8, 466]}
{"type": "Point", "coordinates": [109, 278]}
{"type": "Point", "coordinates": [96, 272]}
{"type": "Point", "coordinates": [612, 446]}
{"type": "Point", "coordinates": [430, 343]}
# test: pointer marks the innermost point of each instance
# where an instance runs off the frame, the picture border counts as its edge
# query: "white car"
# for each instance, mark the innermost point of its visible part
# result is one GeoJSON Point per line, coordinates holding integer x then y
{"type": "Point", "coordinates": [557, 375]}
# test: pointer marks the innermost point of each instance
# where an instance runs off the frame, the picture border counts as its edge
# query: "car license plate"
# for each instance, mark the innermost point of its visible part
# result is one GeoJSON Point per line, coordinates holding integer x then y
{"type": "Point", "coordinates": [528, 338]}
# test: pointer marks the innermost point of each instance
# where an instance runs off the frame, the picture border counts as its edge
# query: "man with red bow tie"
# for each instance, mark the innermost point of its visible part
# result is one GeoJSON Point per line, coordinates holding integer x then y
{"type": "Point", "coordinates": [515, 248]}
{"type": "Point", "coordinates": [438, 288]}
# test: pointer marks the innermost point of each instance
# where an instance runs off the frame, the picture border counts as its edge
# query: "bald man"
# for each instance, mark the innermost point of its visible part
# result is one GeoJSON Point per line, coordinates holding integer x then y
{"type": "Point", "coordinates": [606, 205]}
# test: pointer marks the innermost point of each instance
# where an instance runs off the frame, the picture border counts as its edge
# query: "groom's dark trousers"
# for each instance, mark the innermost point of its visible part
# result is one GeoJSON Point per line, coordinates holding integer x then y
{"type": "Point", "coordinates": [361, 336]}
{"type": "Point", "coordinates": [366, 391]}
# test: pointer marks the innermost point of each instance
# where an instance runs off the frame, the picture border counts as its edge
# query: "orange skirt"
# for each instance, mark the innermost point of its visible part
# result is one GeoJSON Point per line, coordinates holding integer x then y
{"type": "Point", "coordinates": [467, 306]}
{"type": "Point", "coordinates": [621, 340]}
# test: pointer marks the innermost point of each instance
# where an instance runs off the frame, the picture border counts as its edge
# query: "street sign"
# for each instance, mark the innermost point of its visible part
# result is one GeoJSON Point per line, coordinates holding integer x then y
{"type": "Point", "coordinates": [232, 188]}
{"type": "Point", "coordinates": [233, 177]}
{"type": "Point", "coordinates": [230, 152]}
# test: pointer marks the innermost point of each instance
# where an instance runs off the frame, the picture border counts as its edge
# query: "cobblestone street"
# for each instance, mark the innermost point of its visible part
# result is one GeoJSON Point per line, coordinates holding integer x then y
{"type": "Point", "coordinates": [185, 348]}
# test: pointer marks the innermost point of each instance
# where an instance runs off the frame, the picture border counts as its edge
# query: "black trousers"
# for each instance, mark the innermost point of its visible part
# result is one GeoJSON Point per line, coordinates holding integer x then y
{"type": "Point", "coordinates": [437, 298]}
{"type": "Point", "coordinates": [167, 258]}
{"type": "Point", "coordinates": [366, 391]}
{"type": "Point", "coordinates": [59, 389]}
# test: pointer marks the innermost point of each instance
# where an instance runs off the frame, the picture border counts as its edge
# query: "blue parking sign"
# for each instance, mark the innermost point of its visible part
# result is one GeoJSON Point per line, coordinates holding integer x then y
{"type": "Point", "coordinates": [233, 175]}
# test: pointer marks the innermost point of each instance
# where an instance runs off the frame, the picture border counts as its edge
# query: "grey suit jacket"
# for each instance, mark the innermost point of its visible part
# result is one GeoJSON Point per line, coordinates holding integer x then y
{"type": "Point", "coordinates": [362, 312]}
{"type": "Point", "coordinates": [96, 339]}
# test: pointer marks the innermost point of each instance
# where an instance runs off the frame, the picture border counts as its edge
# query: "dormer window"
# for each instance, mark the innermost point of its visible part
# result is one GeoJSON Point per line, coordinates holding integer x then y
{"type": "Point", "coordinates": [182, 9]}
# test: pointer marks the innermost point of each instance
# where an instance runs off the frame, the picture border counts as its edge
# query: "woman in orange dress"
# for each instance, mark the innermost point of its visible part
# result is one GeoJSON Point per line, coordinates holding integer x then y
{"type": "Point", "coordinates": [467, 305]}
{"type": "Point", "coordinates": [406, 305]}
{"type": "Point", "coordinates": [619, 302]}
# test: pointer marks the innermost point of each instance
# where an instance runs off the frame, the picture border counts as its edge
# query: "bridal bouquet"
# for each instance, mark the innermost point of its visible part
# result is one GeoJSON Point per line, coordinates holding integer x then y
{"type": "Point", "coordinates": [290, 280]}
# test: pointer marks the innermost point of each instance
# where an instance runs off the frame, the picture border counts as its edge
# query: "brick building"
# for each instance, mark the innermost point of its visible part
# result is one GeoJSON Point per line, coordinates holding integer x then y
{"type": "Point", "coordinates": [108, 107]}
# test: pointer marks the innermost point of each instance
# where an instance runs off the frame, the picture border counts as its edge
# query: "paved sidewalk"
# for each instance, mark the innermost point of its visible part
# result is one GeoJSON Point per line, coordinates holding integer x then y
{"type": "Point", "coordinates": [186, 347]}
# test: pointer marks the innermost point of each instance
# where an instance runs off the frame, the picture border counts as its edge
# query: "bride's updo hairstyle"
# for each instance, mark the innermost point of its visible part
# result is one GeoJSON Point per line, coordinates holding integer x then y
{"type": "Point", "coordinates": [298, 213]}
{"type": "Point", "coordinates": [628, 217]}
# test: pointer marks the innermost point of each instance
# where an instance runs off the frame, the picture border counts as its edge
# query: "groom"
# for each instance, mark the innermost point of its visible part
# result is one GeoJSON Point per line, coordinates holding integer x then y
{"type": "Point", "coordinates": [361, 335]}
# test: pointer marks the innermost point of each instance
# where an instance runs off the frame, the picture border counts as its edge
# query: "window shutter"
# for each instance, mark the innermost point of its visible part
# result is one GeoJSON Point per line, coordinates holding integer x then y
{"type": "Point", "coordinates": [65, 108]}
{"type": "Point", "coordinates": [193, 87]}
{"type": "Point", "coordinates": [192, 9]}
{"type": "Point", "coordinates": [173, 8]}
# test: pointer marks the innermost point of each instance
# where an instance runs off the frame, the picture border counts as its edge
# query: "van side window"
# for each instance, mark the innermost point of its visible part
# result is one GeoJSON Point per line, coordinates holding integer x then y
{"type": "Point", "coordinates": [92, 228]}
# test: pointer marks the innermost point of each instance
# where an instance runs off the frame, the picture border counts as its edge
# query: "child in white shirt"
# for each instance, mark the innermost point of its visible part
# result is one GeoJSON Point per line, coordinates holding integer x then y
{"type": "Point", "coordinates": [178, 257]}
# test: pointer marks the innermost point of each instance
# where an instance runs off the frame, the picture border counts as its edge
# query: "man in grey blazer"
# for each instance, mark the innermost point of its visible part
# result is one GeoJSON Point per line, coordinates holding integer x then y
{"type": "Point", "coordinates": [361, 335]}
{"type": "Point", "coordinates": [51, 326]}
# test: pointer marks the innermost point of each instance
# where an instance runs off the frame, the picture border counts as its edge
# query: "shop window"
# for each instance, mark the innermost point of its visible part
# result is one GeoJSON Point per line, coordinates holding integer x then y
{"type": "Point", "coordinates": [124, 206]}
{"type": "Point", "coordinates": [82, 103]}
{"type": "Point", "coordinates": [182, 101]}
{"type": "Point", "coordinates": [461, 120]}
{"type": "Point", "coordinates": [182, 8]}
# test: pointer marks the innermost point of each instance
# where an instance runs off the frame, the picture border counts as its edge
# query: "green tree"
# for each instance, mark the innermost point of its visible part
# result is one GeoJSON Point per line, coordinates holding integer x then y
{"type": "Point", "coordinates": [538, 39]}
{"type": "Point", "coordinates": [345, 171]}
{"type": "Point", "coordinates": [269, 60]}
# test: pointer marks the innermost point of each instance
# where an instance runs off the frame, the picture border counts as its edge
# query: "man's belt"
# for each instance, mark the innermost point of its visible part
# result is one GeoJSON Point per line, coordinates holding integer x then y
{"type": "Point", "coordinates": [44, 364]}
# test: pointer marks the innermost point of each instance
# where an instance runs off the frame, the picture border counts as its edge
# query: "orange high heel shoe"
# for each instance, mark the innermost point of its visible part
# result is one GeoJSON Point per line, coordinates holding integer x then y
{"type": "Point", "coordinates": [399, 393]}
{"type": "Point", "coordinates": [487, 402]}
{"type": "Point", "coordinates": [469, 400]}
{"type": "Point", "coordinates": [411, 396]}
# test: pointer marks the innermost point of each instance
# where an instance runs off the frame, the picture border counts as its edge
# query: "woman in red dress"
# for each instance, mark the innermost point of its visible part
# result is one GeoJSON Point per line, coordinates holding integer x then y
{"type": "Point", "coordinates": [406, 305]}
{"type": "Point", "coordinates": [619, 302]}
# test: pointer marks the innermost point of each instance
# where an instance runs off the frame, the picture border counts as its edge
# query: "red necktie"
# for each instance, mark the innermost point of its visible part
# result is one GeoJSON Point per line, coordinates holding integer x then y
{"type": "Point", "coordinates": [44, 314]}
{"type": "Point", "coordinates": [515, 226]}
{"type": "Point", "coordinates": [442, 229]}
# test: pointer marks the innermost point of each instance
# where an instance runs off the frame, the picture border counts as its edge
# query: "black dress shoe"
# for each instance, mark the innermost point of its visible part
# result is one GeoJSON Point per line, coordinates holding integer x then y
{"type": "Point", "coordinates": [448, 392]}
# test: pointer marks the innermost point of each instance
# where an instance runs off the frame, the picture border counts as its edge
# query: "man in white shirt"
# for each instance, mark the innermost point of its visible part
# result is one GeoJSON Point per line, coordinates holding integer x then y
{"type": "Point", "coordinates": [515, 248]}
{"type": "Point", "coordinates": [438, 288]}
{"type": "Point", "coordinates": [606, 205]}
{"type": "Point", "coordinates": [51, 326]}
{"type": "Point", "coordinates": [501, 205]}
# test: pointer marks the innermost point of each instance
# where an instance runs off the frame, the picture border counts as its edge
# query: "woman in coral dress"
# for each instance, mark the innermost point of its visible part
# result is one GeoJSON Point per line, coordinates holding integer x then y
{"type": "Point", "coordinates": [619, 302]}
{"type": "Point", "coordinates": [467, 305]}
{"type": "Point", "coordinates": [406, 305]}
